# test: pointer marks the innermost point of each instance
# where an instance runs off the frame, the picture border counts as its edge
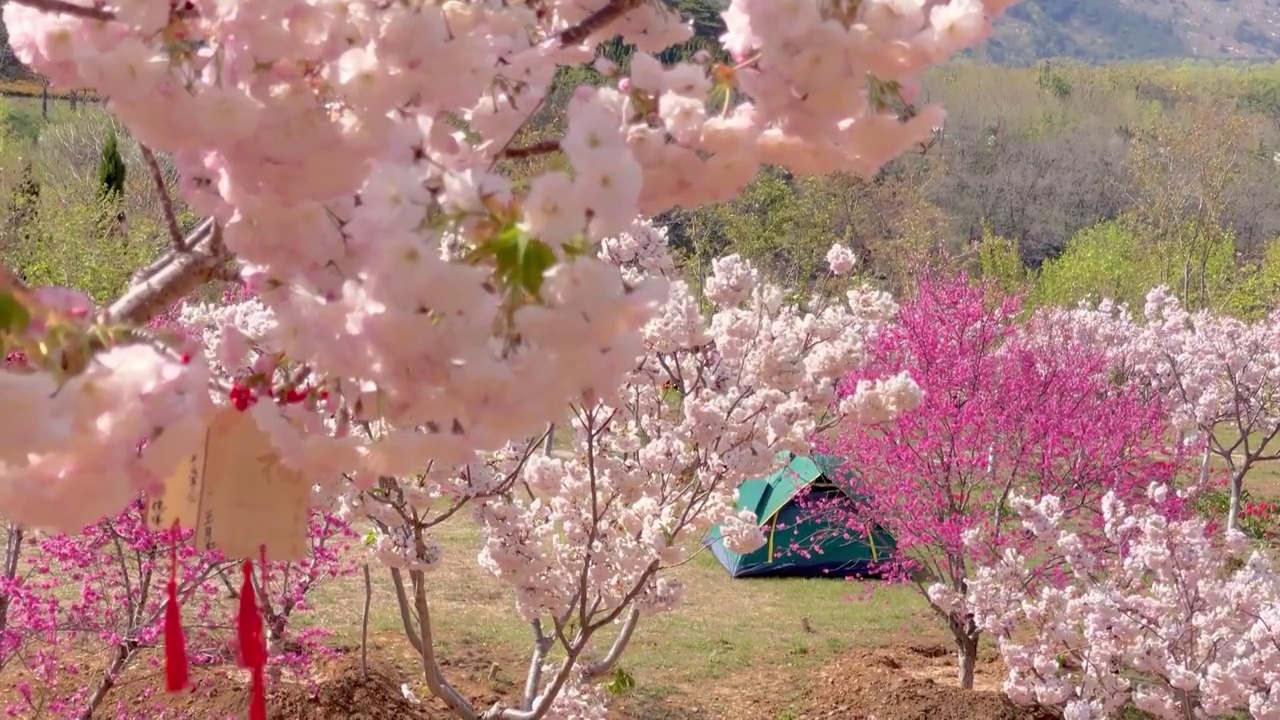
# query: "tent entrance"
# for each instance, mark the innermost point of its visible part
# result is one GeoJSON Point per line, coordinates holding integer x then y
{"type": "Point", "coordinates": [800, 542]}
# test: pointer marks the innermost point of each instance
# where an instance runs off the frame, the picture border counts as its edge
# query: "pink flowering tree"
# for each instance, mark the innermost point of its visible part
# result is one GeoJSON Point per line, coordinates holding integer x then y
{"type": "Point", "coordinates": [1162, 614]}
{"type": "Point", "coordinates": [104, 587]}
{"type": "Point", "coordinates": [1005, 412]}
{"type": "Point", "coordinates": [121, 568]}
{"type": "Point", "coordinates": [1219, 377]}
{"type": "Point", "coordinates": [284, 588]}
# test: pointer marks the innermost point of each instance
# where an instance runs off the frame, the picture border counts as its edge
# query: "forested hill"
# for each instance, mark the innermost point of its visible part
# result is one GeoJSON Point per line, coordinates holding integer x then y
{"type": "Point", "coordinates": [1094, 31]}
{"type": "Point", "coordinates": [1106, 30]}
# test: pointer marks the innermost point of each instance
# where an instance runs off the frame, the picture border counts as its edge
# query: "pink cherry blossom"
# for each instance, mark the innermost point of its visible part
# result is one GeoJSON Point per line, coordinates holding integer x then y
{"type": "Point", "coordinates": [1218, 376]}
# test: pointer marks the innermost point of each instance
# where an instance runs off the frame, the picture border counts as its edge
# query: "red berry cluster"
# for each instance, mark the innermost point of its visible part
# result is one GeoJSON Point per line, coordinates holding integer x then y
{"type": "Point", "coordinates": [246, 393]}
{"type": "Point", "coordinates": [242, 396]}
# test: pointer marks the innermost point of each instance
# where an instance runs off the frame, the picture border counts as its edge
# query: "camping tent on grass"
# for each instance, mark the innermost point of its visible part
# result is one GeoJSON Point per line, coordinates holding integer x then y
{"type": "Point", "coordinates": [786, 525]}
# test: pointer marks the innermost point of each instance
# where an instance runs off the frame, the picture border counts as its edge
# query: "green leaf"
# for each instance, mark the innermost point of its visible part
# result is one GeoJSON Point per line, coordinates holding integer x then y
{"type": "Point", "coordinates": [14, 316]}
{"type": "Point", "coordinates": [538, 259]}
{"type": "Point", "coordinates": [620, 682]}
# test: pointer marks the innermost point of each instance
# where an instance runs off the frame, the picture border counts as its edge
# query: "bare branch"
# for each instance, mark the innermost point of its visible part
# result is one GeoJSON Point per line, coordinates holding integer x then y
{"type": "Point", "coordinates": [597, 21]}
{"type": "Point", "coordinates": [606, 664]}
{"type": "Point", "coordinates": [182, 273]}
{"type": "Point", "coordinates": [166, 259]}
{"type": "Point", "coordinates": [542, 147]}
{"type": "Point", "coordinates": [68, 8]}
{"type": "Point", "coordinates": [162, 192]}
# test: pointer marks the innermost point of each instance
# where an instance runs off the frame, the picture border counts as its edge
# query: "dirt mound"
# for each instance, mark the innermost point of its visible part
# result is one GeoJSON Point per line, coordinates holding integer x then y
{"type": "Point", "coordinates": [915, 682]}
{"type": "Point", "coordinates": [347, 695]}
{"type": "Point", "coordinates": [342, 693]}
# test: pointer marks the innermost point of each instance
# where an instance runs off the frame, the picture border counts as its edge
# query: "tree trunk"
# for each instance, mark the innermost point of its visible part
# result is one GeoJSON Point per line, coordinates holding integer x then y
{"type": "Point", "coordinates": [967, 657]}
{"type": "Point", "coordinates": [364, 623]}
{"type": "Point", "coordinates": [1237, 489]}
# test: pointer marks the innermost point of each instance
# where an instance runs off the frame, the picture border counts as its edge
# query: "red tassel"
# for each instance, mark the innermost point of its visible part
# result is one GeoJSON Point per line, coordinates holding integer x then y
{"type": "Point", "coordinates": [249, 623]}
{"type": "Point", "coordinates": [176, 673]}
{"type": "Point", "coordinates": [253, 647]}
{"type": "Point", "coordinates": [258, 697]}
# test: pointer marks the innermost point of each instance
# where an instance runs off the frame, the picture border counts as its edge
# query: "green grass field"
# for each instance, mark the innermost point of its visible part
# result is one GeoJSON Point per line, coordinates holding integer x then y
{"type": "Point", "coordinates": [723, 637]}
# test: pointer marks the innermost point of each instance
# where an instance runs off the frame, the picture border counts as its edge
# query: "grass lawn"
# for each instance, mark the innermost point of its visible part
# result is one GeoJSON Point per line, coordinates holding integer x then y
{"type": "Point", "coordinates": [721, 639]}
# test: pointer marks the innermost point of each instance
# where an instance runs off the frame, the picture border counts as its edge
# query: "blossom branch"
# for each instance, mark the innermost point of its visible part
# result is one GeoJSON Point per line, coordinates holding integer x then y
{"type": "Point", "coordinates": [180, 273]}
{"type": "Point", "coordinates": [597, 20]}
{"type": "Point", "coordinates": [68, 8]}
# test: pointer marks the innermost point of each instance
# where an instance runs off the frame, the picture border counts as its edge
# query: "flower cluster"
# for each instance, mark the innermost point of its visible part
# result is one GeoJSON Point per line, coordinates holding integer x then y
{"type": "Point", "coordinates": [69, 453]}
{"type": "Point", "coordinates": [1168, 617]}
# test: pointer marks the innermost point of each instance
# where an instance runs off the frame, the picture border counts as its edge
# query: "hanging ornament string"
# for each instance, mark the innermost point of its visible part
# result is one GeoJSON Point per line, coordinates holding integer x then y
{"type": "Point", "coordinates": [253, 647]}
{"type": "Point", "coordinates": [176, 672]}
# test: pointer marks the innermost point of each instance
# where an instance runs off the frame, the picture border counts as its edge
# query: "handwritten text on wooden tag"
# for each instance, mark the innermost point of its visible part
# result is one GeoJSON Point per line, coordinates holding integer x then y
{"type": "Point", "coordinates": [250, 497]}
{"type": "Point", "coordinates": [237, 494]}
{"type": "Point", "coordinates": [180, 501]}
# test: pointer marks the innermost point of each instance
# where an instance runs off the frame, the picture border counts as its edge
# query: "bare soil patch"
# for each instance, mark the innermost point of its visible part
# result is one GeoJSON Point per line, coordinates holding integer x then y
{"type": "Point", "coordinates": [909, 682]}
{"type": "Point", "coordinates": [339, 690]}
{"type": "Point", "coordinates": [902, 681]}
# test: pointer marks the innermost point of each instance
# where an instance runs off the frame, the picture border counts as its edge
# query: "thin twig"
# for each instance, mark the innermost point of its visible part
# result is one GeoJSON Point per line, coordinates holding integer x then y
{"type": "Point", "coordinates": [162, 192]}
{"type": "Point", "coordinates": [542, 147]}
{"type": "Point", "coordinates": [364, 623]}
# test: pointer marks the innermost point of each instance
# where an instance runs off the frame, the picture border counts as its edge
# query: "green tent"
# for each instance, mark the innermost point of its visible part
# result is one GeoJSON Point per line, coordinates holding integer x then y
{"type": "Point", "coordinates": [830, 551]}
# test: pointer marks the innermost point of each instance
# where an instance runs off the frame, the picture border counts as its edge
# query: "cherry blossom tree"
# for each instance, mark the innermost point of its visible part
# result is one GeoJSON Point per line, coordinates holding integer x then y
{"type": "Point", "coordinates": [1219, 376]}
{"type": "Point", "coordinates": [1164, 615]}
{"type": "Point", "coordinates": [1005, 412]}
{"type": "Point", "coordinates": [322, 142]}
{"type": "Point", "coordinates": [584, 533]}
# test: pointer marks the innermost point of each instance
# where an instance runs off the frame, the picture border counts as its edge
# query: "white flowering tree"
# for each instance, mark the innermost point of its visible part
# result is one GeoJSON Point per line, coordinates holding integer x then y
{"type": "Point", "coordinates": [1166, 616]}
{"type": "Point", "coordinates": [1219, 376]}
{"type": "Point", "coordinates": [585, 533]}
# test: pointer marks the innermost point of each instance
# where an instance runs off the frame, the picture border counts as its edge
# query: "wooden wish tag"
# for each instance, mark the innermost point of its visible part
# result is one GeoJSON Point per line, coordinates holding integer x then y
{"type": "Point", "coordinates": [179, 502]}
{"type": "Point", "coordinates": [250, 498]}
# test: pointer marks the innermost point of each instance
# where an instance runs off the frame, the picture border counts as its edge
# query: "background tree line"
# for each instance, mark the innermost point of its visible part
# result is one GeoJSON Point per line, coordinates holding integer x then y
{"type": "Point", "coordinates": [1081, 180]}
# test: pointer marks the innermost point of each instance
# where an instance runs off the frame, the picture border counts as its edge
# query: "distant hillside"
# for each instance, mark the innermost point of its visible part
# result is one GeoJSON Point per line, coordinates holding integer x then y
{"type": "Point", "coordinates": [1100, 31]}
{"type": "Point", "coordinates": [1106, 30]}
